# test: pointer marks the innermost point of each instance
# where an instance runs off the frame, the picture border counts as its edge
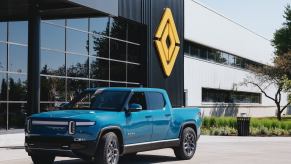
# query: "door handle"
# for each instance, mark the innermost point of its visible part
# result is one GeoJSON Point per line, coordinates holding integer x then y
{"type": "Point", "coordinates": [167, 115]}
{"type": "Point", "coordinates": [148, 116]}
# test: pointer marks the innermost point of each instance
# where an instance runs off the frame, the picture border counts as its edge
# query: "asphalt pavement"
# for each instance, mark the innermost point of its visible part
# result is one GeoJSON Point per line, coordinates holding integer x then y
{"type": "Point", "coordinates": [211, 150]}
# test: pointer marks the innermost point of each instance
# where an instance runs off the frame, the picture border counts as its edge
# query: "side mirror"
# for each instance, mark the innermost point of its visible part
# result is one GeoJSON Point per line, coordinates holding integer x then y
{"type": "Point", "coordinates": [134, 107]}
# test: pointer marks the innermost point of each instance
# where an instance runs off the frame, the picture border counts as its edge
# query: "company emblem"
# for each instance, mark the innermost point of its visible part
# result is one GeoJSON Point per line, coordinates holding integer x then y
{"type": "Point", "coordinates": [167, 42]}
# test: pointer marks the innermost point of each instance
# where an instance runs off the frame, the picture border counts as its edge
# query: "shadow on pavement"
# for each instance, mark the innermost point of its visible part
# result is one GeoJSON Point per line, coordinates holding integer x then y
{"type": "Point", "coordinates": [139, 159]}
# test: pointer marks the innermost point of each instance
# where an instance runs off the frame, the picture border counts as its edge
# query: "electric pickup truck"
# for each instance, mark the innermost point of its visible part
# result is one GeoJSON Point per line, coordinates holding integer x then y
{"type": "Point", "coordinates": [101, 125]}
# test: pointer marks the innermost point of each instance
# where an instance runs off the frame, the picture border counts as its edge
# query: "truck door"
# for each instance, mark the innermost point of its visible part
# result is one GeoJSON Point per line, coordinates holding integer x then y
{"type": "Point", "coordinates": [139, 123]}
{"type": "Point", "coordinates": [161, 115]}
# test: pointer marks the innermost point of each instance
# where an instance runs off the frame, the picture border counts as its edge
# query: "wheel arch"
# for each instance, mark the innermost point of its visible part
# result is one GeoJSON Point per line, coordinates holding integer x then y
{"type": "Point", "coordinates": [115, 129]}
{"type": "Point", "coordinates": [186, 125]}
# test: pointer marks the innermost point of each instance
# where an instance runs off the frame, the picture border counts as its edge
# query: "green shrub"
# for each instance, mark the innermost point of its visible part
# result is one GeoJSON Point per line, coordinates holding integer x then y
{"type": "Point", "coordinates": [264, 131]}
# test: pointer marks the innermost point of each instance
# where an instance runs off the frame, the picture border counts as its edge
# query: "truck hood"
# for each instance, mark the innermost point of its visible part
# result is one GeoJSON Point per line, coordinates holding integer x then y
{"type": "Point", "coordinates": [74, 115]}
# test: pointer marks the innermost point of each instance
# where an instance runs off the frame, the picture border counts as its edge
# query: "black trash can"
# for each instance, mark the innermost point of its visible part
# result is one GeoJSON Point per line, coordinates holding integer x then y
{"type": "Point", "coordinates": [243, 126]}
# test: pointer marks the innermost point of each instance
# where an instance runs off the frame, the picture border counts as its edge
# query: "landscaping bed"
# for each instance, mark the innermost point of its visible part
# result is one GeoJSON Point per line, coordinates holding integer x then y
{"type": "Point", "coordinates": [226, 126]}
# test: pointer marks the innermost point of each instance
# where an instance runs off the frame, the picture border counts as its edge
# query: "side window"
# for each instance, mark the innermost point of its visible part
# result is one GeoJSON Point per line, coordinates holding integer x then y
{"type": "Point", "coordinates": [156, 101]}
{"type": "Point", "coordinates": [139, 98]}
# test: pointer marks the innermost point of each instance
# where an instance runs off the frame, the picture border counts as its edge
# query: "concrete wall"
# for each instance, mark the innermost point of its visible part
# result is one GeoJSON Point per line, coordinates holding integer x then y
{"type": "Point", "coordinates": [206, 27]}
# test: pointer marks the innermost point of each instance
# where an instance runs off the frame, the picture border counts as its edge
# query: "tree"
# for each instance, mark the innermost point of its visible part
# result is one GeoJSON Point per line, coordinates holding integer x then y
{"type": "Point", "coordinates": [282, 37]}
{"type": "Point", "coordinates": [279, 74]}
{"type": "Point", "coordinates": [267, 77]}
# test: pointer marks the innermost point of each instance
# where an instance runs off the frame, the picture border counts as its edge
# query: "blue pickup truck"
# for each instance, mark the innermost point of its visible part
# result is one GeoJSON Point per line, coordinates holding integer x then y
{"type": "Point", "coordinates": [100, 125]}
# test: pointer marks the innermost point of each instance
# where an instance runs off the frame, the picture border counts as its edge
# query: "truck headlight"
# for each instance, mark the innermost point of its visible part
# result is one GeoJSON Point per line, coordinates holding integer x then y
{"type": "Point", "coordinates": [72, 127]}
{"type": "Point", "coordinates": [28, 126]}
{"type": "Point", "coordinates": [87, 123]}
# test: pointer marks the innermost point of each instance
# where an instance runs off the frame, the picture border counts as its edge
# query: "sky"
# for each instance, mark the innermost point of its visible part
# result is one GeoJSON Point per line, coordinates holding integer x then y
{"type": "Point", "coordinates": [261, 16]}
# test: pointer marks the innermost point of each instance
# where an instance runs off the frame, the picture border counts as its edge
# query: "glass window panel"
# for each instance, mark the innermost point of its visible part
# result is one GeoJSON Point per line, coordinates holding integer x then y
{"type": "Point", "coordinates": [224, 58]}
{"type": "Point", "coordinates": [52, 36]}
{"type": "Point", "coordinates": [77, 65]}
{"type": "Point", "coordinates": [134, 85]}
{"type": "Point", "coordinates": [99, 46]}
{"type": "Point", "coordinates": [77, 42]}
{"type": "Point", "coordinates": [81, 24]}
{"type": "Point", "coordinates": [17, 87]}
{"type": "Point", "coordinates": [117, 84]}
{"type": "Point", "coordinates": [231, 60]}
{"type": "Point", "coordinates": [118, 28]}
{"type": "Point", "coordinates": [203, 53]}
{"type": "Point", "coordinates": [134, 53]}
{"type": "Point", "coordinates": [117, 50]}
{"type": "Point", "coordinates": [135, 32]}
{"type": "Point", "coordinates": [238, 62]}
{"type": "Point", "coordinates": [61, 22]}
{"type": "Point", "coordinates": [3, 57]}
{"type": "Point", "coordinates": [187, 47]}
{"type": "Point", "coordinates": [18, 32]}
{"type": "Point", "coordinates": [117, 71]}
{"type": "Point", "coordinates": [99, 69]}
{"type": "Point", "coordinates": [98, 84]}
{"type": "Point", "coordinates": [18, 59]}
{"type": "Point", "coordinates": [194, 50]}
{"type": "Point", "coordinates": [3, 86]}
{"type": "Point", "coordinates": [53, 63]}
{"type": "Point", "coordinates": [75, 87]}
{"type": "Point", "coordinates": [3, 31]}
{"type": "Point", "coordinates": [52, 89]}
{"type": "Point", "coordinates": [100, 25]}
{"type": "Point", "coordinates": [16, 115]}
{"type": "Point", "coordinates": [156, 101]}
{"type": "Point", "coordinates": [3, 116]}
{"type": "Point", "coordinates": [46, 107]}
{"type": "Point", "coordinates": [135, 73]}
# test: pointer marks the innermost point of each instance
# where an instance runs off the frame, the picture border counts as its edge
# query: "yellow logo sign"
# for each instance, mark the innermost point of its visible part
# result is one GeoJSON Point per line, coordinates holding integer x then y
{"type": "Point", "coordinates": [167, 42]}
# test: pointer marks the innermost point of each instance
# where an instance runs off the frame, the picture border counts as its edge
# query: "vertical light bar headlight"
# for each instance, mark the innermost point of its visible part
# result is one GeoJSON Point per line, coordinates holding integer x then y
{"type": "Point", "coordinates": [72, 127]}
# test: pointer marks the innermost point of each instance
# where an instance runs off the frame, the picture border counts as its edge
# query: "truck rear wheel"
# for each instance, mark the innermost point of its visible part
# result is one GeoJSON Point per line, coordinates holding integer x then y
{"type": "Point", "coordinates": [43, 159]}
{"type": "Point", "coordinates": [108, 149]}
{"type": "Point", "coordinates": [187, 147]}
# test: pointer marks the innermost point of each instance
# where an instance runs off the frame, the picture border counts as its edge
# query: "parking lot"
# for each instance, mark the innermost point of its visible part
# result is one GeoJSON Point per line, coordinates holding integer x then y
{"type": "Point", "coordinates": [211, 150]}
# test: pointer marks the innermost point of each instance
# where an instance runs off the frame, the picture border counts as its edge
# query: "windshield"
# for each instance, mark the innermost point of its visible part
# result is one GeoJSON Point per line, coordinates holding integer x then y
{"type": "Point", "coordinates": [99, 100]}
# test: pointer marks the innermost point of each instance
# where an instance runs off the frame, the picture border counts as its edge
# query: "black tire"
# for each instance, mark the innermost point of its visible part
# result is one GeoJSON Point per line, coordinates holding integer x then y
{"type": "Point", "coordinates": [43, 159]}
{"type": "Point", "coordinates": [188, 143]}
{"type": "Point", "coordinates": [108, 149]}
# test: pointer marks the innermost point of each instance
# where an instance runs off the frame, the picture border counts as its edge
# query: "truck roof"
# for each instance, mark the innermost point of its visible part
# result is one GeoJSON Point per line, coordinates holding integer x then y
{"type": "Point", "coordinates": [140, 89]}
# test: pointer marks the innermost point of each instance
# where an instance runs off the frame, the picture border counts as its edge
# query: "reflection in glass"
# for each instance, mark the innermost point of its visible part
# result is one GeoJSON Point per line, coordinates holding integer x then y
{"type": "Point", "coordinates": [52, 89]}
{"type": "Point", "coordinates": [81, 24]}
{"type": "Point", "coordinates": [17, 59]}
{"type": "Point", "coordinates": [98, 84]}
{"type": "Point", "coordinates": [18, 32]}
{"type": "Point", "coordinates": [135, 31]}
{"type": "Point", "coordinates": [117, 50]}
{"type": "Point", "coordinates": [134, 53]}
{"type": "Point", "coordinates": [99, 46]}
{"type": "Point", "coordinates": [53, 63]}
{"type": "Point", "coordinates": [77, 42]}
{"type": "Point", "coordinates": [134, 73]}
{"type": "Point", "coordinates": [100, 25]}
{"type": "Point", "coordinates": [77, 65]}
{"type": "Point", "coordinates": [60, 22]}
{"type": "Point", "coordinates": [17, 87]}
{"type": "Point", "coordinates": [99, 69]}
{"type": "Point", "coordinates": [52, 36]}
{"type": "Point", "coordinates": [3, 116]}
{"type": "Point", "coordinates": [17, 115]}
{"type": "Point", "coordinates": [46, 107]}
{"type": "Point", "coordinates": [117, 71]}
{"type": "Point", "coordinates": [3, 31]}
{"type": "Point", "coordinates": [112, 84]}
{"type": "Point", "coordinates": [3, 57]}
{"type": "Point", "coordinates": [3, 86]}
{"type": "Point", "coordinates": [75, 87]}
{"type": "Point", "coordinates": [118, 28]}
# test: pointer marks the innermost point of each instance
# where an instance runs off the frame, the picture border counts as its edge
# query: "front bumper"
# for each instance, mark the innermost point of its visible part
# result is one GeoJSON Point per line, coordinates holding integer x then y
{"type": "Point", "coordinates": [60, 146]}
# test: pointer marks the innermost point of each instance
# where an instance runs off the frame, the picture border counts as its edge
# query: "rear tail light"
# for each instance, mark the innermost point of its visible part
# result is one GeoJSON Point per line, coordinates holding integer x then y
{"type": "Point", "coordinates": [72, 127]}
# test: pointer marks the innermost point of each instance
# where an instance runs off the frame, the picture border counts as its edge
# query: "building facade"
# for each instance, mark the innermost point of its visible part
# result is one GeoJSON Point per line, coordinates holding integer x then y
{"type": "Point", "coordinates": [52, 50]}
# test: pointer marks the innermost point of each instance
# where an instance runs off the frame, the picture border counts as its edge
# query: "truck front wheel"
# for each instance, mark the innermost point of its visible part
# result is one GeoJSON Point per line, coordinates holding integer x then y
{"type": "Point", "coordinates": [43, 159]}
{"type": "Point", "coordinates": [187, 148]}
{"type": "Point", "coordinates": [108, 149]}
